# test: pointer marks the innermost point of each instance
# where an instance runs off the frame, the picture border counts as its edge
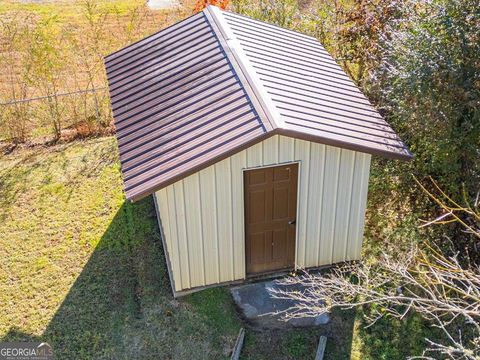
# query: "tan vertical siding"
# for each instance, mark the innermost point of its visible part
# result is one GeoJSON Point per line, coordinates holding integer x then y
{"type": "Point", "coordinates": [194, 229]}
{"type": "Point", "coordinates": [209, 225]}
{"type": "Point", "coordinates": [182, 242]}
{"type": "Point", "coordinates": [224, 219]}
{"type": "Point", "coordinates": [358, 205]}
{"type": "Point", "coordinates": [238, 161]}
{"type": "Point", "coordinates": [314, 212]}
{"type": "Point", "coordinates": [342, 214]}
{"type": "Point", "coordinates": [302, 152]}
{"type": "Point", "coordinates": [286, 149]}
{"type": "Point", "coordinates": [329, 205]}
{"type": "Point", "coordinates": [203, 216]}
{"type": "Point", "coordinates": [173, 244]}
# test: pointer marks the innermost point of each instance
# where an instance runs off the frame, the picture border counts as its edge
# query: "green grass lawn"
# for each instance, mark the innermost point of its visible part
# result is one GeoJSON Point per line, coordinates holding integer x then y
{"type": "Point", "coordinates": [84, 270]}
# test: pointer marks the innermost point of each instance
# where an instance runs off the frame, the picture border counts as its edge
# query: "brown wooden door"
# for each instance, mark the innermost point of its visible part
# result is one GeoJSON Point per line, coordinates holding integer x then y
{"type": "Point", "coordinates": [270, 218]}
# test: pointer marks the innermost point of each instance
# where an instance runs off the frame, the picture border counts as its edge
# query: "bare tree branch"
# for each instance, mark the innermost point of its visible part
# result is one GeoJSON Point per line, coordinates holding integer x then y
{"type": "Point", "coordinates": [429, 280]}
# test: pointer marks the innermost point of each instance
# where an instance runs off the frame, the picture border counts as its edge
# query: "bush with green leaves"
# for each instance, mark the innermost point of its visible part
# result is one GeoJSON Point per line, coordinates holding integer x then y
{"type": "Point", "coordinates": [429, 83]}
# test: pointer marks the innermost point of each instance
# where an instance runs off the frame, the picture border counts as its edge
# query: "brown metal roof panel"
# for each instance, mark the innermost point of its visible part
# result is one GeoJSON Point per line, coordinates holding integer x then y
{"type": "Point", "coordinates": [162, 49]}
{"type": "Point", "coordinates": [251, 38]}
{"type": "Point", "coordinates": [308, 82]}
{"type": "Point", "coordinates": [356, 134]}
{"type": "Point", "coordinates": [193, 158]}
{"type": "Point", "coordinates": [167, 51]}
{"type": "Point", "coordinates": [262, 38]}
{"type": "Point", "coordinates": [308, 75]}
{"type": "Point", "coordinates": [281, 49]}
{"type": "Point", "coordinates": [293, 63]}
{"type": "Point", "coordinates": [183, 73]}
{"type": "Point", "coordinates": [174, 98]}
{"type": "Point", "coordinates": [151, 40]}
{"type": "Point", "coordinates": [352, 124]}
{"type": "Point", "coordinates": [311, 86]}
{"type": "Point", "coordinates": [183, 102]}
{"type": "Point", "coordinates": [181, 127]}
{"type": "Point", "coordinates": [184, 132]}
{"type": "Point", "coordinates": [339, 140]}
{"type": "Point", "coordinates": [289, 89]}
{"type": "Point", "coordinates": [311, 93]}
{"type": "Point", "coordinates": [174, 93]}
{"type": "Point", "coordinates": [348, 118]}
{"type": "Point", "coordinates": [166, 78]}
{"type": "Point", "coordinates": [274, 30]}
{"type": "Point", "coordinates": [142, 79]}
{"type": "Point", "coordinates": [254, 43]}
{"type": "Point", "coordinates": [292, 98]}
{"type": "Point", "coordinates": [300, 61]}
{"type": "Point", "coordinates": [196, 140]}
{"type": "Point", "coordinates": [186, 111]}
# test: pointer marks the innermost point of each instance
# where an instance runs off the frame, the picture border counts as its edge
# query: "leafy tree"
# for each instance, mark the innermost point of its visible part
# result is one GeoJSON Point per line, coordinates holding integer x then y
{"type": "Point", "coordinates": [429, 82]}
{"type": "Point", "coordinates": [427, 85]}
{"type": "Point", "coordinates": [363, 25]}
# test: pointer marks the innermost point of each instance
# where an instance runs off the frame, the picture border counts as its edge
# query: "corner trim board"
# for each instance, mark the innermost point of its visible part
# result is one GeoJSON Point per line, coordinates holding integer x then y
{"type": "Point", "coordinates": [164, 245]}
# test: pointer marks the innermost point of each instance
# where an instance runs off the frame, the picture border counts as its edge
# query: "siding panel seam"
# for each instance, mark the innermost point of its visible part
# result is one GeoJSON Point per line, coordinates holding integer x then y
{"type": "Point", "coordinates": [186, 234]}
{"type": "Point", "coordinates": [339, 158]}
{"type": "Point", "coordinates": [307, 175]}
{"type": "Point", "coordinates": [349, 206]}
{"type": "Point", "coordinates": [200, 213]}
{"type": "Point", "coordinates": [216, 221]}
{"type": "Point", "coordinates": [177, 240]}
{"type": "Point", "coordinates": [230, 187]}
{"type": "Point", "coordinates": [320, 207]}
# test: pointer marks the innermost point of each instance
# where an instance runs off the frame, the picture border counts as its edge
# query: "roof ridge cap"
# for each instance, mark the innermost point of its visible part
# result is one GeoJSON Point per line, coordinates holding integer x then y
{"type": "Point", "coordinates": [249, 78]}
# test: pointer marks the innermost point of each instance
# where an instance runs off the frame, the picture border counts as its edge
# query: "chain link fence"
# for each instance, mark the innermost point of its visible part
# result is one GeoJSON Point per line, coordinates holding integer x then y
{"type": "Point", "coordinates": [76, 113]}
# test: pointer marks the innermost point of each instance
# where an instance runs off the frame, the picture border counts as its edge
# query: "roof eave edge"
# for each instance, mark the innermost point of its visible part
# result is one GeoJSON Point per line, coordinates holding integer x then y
{"type": "Point", "coordinates": [153, 189]}
{"type": "Point", "coordinates": [278, 131]}
{"type": "Point", "coordinates": [347, 145]}
{"type": "Point", "coordinates": [247, 75]}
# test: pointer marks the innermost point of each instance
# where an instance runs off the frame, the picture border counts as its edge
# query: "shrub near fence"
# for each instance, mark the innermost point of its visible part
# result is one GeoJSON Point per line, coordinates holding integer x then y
{"type": "Point", "coordinates": [53, 82]}
{"type": "Point", "coordinates": [81, 113]}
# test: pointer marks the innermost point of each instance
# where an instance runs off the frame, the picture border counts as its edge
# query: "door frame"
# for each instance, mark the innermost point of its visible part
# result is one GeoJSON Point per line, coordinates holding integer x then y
{"type": "Point", "coordinates": [299, 188]}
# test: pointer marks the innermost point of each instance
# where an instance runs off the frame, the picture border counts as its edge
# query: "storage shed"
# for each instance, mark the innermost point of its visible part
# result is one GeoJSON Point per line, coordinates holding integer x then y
{"type": "Point", "coordinates": [255, 145]}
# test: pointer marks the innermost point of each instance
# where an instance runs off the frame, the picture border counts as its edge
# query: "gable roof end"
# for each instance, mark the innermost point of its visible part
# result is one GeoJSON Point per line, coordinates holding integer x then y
{"type": "Point", "coordinates": [216, 83]}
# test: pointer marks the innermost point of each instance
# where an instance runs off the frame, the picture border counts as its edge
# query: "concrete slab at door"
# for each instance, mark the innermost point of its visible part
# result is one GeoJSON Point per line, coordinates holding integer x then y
{"type": "Point", "coordinates": [270, 218]}
{"type": "Point", "coordinates": [263, 311]}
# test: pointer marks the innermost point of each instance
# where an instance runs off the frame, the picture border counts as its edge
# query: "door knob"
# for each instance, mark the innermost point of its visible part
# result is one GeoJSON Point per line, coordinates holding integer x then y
{"type": "Point", "coordinates": [292, 222]}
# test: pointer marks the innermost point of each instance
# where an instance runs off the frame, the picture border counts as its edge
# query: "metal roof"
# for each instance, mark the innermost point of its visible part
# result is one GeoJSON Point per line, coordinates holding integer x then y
{"type": "Point", "coordinates": [216, 83]}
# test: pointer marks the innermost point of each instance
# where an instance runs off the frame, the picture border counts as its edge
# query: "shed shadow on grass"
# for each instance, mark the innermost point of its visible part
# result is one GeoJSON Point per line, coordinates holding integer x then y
{"type": "Point", "coordinates": [16, 334]}
{"type": "Point", "coordinates": [103, 304]}
{"type": "Point", "coordinates": [121, 305]}
{"type": "Point", "coordinates": [125, 271]}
